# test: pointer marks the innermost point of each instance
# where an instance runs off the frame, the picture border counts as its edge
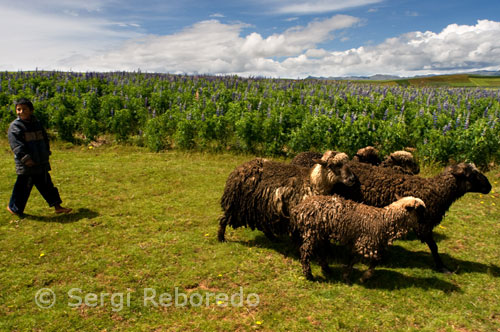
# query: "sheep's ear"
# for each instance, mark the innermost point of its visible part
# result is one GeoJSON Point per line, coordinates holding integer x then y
{"type": "Point", "coordinates": [320, 161]}
{"type": "Point", "coordinates": [398, 197]}
{"type": "Point", "coordinates": [459, 169]}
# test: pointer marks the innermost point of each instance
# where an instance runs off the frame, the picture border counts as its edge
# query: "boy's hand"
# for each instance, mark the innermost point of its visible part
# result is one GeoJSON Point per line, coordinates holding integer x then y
{"type": "Point", "coordinates": [29, 163]}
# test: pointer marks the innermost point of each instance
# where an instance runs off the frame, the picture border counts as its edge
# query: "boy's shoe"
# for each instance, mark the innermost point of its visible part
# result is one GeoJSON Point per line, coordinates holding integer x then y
{"type": "Point", "coordinates": [60, 209]}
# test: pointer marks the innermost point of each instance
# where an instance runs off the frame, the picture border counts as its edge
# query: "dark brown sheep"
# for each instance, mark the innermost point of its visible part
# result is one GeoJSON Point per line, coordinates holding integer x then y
{"type": "Point", "coordinates": [259, 193]}
{"type": "Point", "coordinates": [368, 155]}
{"type": "Point", "coordinates": [380, 186]}
{"type": "Point", "coordinates": [402, 161]}
{"type": "Point", "coordinates": [366, 230]}
{"type": "Point", "coordinates": [306, 159]}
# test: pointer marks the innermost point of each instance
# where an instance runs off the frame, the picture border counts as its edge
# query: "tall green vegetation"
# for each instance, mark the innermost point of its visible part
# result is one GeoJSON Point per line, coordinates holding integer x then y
{"type": "Point", "coordinates": [261, 116]}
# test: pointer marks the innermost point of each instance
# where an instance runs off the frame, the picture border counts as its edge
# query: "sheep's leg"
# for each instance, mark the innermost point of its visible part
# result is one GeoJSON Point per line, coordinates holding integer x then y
{"type": "Point", "coordinates": [429, 239]}
{"type": "Point", "coordinates": [222, 229]}
{"type": "Point", "coordinates": [305, 258]}
{"type": "Point", "coordinates": [270, 236]}
{"type": "Point", "coordinates": [348, 268]}
{"type": "Point", "coordinates": [369, 273]}
{"type": "Point", "coordinates": [323, 262]}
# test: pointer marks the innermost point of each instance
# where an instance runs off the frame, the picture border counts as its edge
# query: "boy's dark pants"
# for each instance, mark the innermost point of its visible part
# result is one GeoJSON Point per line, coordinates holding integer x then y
{"type": "Point", "coordinates": [22, 190]}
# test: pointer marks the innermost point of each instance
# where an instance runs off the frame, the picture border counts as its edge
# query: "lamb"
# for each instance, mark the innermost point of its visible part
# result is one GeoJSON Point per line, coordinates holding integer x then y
{"type": "Point", "coordinates": [380, 186]}
{"type": "Point", "coordinates": [259, 193]}
{"type": "Point", "coordinates": [366, 230]}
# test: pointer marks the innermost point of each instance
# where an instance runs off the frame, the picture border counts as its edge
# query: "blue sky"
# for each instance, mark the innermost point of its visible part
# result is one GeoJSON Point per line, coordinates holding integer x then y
{"type": "Point", "coordinates": [271, 38]}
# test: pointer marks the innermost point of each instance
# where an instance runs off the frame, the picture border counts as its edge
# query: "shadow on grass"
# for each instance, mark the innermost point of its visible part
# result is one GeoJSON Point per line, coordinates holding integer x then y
{"type": "Point", "coordinates": [74, 216]}
{"type": "Point", "coordinates": [395, 257]}
{"type": "Point", "coordinates": [399, 257]}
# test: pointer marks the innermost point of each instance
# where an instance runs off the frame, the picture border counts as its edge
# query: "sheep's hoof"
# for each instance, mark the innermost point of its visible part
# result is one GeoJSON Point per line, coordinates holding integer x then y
{"type": "Point", "coordinates": [327, 271]}
{"type": "Point", "coordinates": [309, 276]}
{"type": "Point", "coordinates": [221, 236]}
{"type": "Point", "coordinates": [347, 280]}
{"type": "Point", "coordinates": [444, 269]}
{"type": "Point", "coordinates": [367, 275]}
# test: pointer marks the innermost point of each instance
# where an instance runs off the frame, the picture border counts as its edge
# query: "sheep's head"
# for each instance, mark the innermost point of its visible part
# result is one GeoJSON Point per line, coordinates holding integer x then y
{"type": "Point", "coordinates": [413, 205]}
{"type": "Point", "coordinates": [335, 163]}
{"type": "Point", "coordinates": [404, 160]}
{"type": "Point", "coordinates": [367, 155]}
{"type": "Point", "coordinates": [470, 178]}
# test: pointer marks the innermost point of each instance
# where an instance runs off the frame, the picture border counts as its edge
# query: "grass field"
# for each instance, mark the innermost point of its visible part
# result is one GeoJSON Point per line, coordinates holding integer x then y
{"type": "Point", "coordinates": [146, 222]}
{"type": "Point", "coordinates": [458, 80]}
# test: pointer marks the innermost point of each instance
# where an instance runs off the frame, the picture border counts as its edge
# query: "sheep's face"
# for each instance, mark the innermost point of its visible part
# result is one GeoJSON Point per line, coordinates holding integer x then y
{"type": "Point", "coordinates": [471, 178]}
{"type": "Point", "coordinates": [338, 171]}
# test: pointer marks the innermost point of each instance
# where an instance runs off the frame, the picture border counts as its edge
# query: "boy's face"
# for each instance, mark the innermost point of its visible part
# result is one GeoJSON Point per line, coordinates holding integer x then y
{"type": "Point", "coordinates": [23, 112]}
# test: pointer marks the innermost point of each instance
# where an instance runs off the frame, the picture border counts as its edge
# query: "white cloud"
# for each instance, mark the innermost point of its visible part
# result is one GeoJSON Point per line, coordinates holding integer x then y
{"type": "Point", "coordinates": [456, 48]}
{"type": "Point", "coordinates": [42, 39]}
{"type": "Point", "coordinates": [213, 47]}
{"type": "Point", "coordinates": [71, 38]}
{"type": "Point", "coordinates": [316, 6]}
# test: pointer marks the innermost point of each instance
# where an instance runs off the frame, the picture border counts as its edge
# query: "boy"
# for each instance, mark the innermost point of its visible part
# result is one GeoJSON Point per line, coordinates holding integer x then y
{"type": "Point", "coordinates": [30, 144]}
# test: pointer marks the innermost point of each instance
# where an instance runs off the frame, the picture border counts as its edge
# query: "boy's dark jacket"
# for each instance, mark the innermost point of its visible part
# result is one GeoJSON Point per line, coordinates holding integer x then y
{"type": "Point", "coordinates": [28, 140]}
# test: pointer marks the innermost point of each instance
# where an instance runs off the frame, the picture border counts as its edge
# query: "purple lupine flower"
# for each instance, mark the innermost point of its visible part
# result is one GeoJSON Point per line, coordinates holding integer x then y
{"type": "Point", "coordinates": [203, 117]}
{"type": "Point", "coordinates": [353, 117]}
{"type": "Point", "coordinates": [485, 114]}
{"type": "Point", "coordinates": [466, 124]}
{"type": "Point", "coordinates": [344, 117]}
{"type": "Point", "coordinates": [386, 113]}
{"type": "Point", "coordinates": [446, 128]}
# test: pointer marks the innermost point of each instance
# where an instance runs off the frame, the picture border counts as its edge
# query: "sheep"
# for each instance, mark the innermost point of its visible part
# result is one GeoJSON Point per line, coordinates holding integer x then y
{"type": "Point", "coordinates": [402, 161]}
{"type": "Point", "coordinates": [306, 159]}
{"type": "Point", "coordinates": [259, 193]}
{"type": "Point", "coordinates": [364, 229]}
{"type": "Point", "coordinates": [380, 186]}
{"type": "Point", "coordinates": [368, 155]}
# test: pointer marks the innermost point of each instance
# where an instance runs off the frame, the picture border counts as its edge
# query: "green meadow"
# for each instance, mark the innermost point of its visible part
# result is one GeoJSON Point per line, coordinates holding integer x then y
{"type": "Point", "coordinates": [140, 253]}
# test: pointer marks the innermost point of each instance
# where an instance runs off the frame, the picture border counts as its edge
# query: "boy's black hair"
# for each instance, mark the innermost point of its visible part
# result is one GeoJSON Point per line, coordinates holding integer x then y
{"type": "Point", "coordinates": [25, 101]}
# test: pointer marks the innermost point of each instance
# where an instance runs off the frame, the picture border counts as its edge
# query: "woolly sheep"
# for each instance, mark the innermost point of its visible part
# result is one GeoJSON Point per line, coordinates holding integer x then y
{"type": "Point", "coordinates": [366, 230]}
{"type": "Point", "coordinates": [402, 161]}
{"type": "Point", "coordinates": [368, 155]}
{"type": "Point", "coordinates": [380, 186]}
{"type": "Point", "coordinates": [259, 193]}
{"type": "Point", "coordinates": [306, 159]}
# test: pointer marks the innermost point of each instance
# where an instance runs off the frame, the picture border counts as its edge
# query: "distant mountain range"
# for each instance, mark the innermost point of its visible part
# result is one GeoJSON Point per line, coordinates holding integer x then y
{"type": "Point", "coordinates": [381, 77]}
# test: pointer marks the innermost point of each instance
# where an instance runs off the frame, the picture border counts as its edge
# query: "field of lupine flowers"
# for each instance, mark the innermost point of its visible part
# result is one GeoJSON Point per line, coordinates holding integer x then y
{"type": "Point", "coordinates": [273, 117]}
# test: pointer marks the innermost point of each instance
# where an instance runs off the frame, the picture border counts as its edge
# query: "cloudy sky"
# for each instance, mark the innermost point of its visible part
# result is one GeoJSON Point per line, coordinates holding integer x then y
{"type": "Point", "coordinates": [271, 38]}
